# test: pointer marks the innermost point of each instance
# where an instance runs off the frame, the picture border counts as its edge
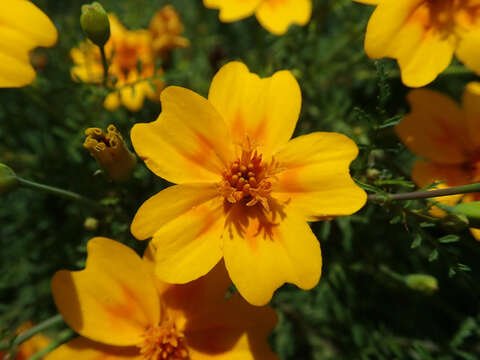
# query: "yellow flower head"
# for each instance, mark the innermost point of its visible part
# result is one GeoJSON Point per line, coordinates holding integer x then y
{"type": "Point", "coordinates": [31, 346]}
{"type": "Point", "coordinates": [111, 152]}
{"type": "Point", "coordinates": [274, 15]}
{"type": "Point", "coordinates": [125, 50]}
{"type": "Point", "coordinates": [245, 192]}
{"type": "Point", "coordinates": [423, 35]}
{"type": "Point", "coordinates": [166, 29]}
{"type": "Point", "coordinates": [123, 312]}
{"type": "Point", "coordinates": [24, 27]}
{"type": "Point", "coordinates": [448, 137]}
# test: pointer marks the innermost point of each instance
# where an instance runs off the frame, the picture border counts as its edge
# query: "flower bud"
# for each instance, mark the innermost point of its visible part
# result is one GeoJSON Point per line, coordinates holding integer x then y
{"type": "Point", "coordinates": [471, 210]}
{"type": "Point", "coordinates": [95, 24]}
{"type": "Point", "coordinates": [111, 153]}
{"type": "Point", "coordinates": [8, 179]}
{"type": "Point", "coordinates": [421, 282]}
{"type": "Point", "coordinates": [90, 224]}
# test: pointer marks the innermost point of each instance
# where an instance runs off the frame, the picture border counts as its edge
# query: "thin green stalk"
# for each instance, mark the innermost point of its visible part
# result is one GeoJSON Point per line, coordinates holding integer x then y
{"type": "Point", "coordinates": [464, 189]}
{"type": "Point", "coordinates": [62, 338]}
{"type": "Point", "coordinates": [56, 191]}
{"type": "Point", "coordinates": [105, 65]}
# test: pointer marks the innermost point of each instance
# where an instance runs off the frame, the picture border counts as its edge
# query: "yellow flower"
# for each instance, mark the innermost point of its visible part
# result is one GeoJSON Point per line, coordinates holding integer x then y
{"type": "Point", "coordinates": [448, 137]}
{"type": "Point", "coordinates": [166, 28]}
{"type": "Point", "coordinates": [245, 191]}
{"type": "Point", "coordinates": [122, 312]}
{"type": "Point", "coordinates": [110, 152]}
{"type": "Point", "coordinates": [423, 35]}
{"type": "Point", "coordinates": [31, 346]}
{"type": "Point", "coordinates": [24, 27]}
{"type": "Point", "coordinates": [274, 15]}
{"type": "Point", "coordinates": [125, 50]}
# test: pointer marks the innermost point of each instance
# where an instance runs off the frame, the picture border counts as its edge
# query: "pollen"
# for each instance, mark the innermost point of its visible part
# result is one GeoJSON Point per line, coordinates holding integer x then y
{"type": "Point", "coordinates": [163, 342]}
{"type": "Point", "coordinates": [248, 180]}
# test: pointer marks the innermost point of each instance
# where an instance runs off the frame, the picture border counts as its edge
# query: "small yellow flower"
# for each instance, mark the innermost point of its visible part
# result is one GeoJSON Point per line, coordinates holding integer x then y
{"type": "Point", "coordinates": [166, 29]}
{"type": "Point", "coordinates": [448, 137]}
{"type": "Point", "coordinates": [123, 312]}
{"type": "Point", "coordinates": [111, 153]}
{"type": "Point", "coordinates": [126, 50]}
{"type": "Point", "coordinates": [245, 191]}
{"type": "Point", "coordinates": [423, 35]}
{"type": "Point", "coordinates": [24, 27]}
{"type": "Point", "coordinates": [274, 15]}
{"type": "Point", "coordinates": [31, 346]}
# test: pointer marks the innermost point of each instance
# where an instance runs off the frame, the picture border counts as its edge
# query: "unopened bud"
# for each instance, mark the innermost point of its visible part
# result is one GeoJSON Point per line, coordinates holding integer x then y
{"type": "Point", "coordinates": [95, 24]}
{"type": "Point", "coordinates": [90, 224]}
{"type": "Point", "coordinates": [421, 282]}
{"type": "Point", "coordinates": [8, 178]}
{"type": "Point", "coordinates": [471, 210]}
{"type": "Point", "coordinates": [111, 153]}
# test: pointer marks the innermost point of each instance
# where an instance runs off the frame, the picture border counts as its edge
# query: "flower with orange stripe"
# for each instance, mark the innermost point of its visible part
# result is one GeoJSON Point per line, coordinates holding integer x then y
{"type": "Point", "coordinates": [245, 192]}
{"type": "Point", "coordinates": [448, 138]}
{"type": "Point", "coordinates": [123, 312]}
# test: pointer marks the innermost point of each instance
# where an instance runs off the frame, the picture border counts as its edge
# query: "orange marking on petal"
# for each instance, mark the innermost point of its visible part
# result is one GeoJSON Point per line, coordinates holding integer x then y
{"type": "Point", "coordinates": [290, 181]}
{"type": "Point", "coordinates": [126, 309]}
{"type": "Point", "coordinates": [238, 125]}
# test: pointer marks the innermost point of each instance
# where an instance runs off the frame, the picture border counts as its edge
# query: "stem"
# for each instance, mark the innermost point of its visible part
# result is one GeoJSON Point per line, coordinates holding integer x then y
{"type": "Point", "coordinates": [105, 65]}
{"type": "Point", "coordinates": [464, 189]}
{"type": "Point", "coordinates": [56, 191]}
{"type": "Point", "coordinates": [52, 345]}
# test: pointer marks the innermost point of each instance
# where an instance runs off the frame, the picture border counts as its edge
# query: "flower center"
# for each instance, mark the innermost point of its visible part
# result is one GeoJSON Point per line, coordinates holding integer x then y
{"type": "Point", "coordinates": [163, 342]}
{"type": "Point", "coordinates": [248, 179]}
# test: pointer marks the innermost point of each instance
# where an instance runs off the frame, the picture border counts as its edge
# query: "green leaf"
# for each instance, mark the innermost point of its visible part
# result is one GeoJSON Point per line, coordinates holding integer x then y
{"type": "Point", "coordinates": [433, 255]}
{"type": "Point", "coordinates": [449, 239]}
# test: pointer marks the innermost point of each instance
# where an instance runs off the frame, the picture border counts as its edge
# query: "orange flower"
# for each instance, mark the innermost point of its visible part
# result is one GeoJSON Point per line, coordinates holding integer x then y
{"type": "Point", "coordinates": [125, 50]}
{"type": "Point", "coordinates": [123, 312]}
{"type": "Point", "coordinates": [24, 27]}
{"type": "Point", "coordinates": [31, 346]}
{"type": "Point", "coordinates": [423, 35]}
{"type": "Point", "coordinates": [274, 15]}
{"type": "Point", "coordinates": [448, 137]}
{"type": "Point", "coordinates": [245, 191]}
{"type": "Point", "coordinates": [166, 28]}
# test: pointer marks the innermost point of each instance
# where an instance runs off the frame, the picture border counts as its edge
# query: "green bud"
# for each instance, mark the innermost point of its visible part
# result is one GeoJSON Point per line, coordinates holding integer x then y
{"type": "Point", "coordinates": [90, 224]}
{"type": "Point", "coordinates": [8, 179]}
{"type": "Point", "coordinates": [95, 24]}
{"type": "Point", "coordinates": [421, 282]}
{"type": "Point", "coordinates": [471, 210]}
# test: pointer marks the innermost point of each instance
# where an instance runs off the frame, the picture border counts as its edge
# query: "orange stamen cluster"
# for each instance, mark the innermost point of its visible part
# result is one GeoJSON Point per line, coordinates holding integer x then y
{"type": "Point", "coordinates": [248, 179]}
{"type": "Point", "coordinates": [164, 342]}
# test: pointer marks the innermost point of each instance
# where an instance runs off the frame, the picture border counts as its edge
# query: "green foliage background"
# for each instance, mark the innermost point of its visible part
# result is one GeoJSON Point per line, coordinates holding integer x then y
{"type": "Point", "coordinates": [361, 308]}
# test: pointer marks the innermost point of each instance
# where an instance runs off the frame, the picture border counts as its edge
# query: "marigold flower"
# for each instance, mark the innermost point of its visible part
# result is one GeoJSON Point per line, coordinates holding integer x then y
{"type": "Point", "coordinates": [123, 312]}
{"type": "Point", "coordinates": [448, 137]}
{"type": "Point", "coordinates": [126, 50]}
{"type": "Point", "coordinates": [166, 28]}
{"type": "Point", "coordinates": [24, 27]}
{"type": "Point", "coordinates": [29, 347]}
{"type": "Point", "coordinates": [245, 191]}
{"type": "Point", "coordinates": [111, 152]}
{"type": "Point", "coordinates": [274, 15]}
{"type": "Point", "coordinates": [423, 35]}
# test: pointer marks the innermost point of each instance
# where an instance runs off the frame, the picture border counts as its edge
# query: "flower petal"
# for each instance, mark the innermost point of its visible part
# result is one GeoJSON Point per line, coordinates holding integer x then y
{"type": "Point", "coordinates": [277, 16]}
{"type": "Point", "coordinates": [475, 233]}
{"type": "Point", "coordinates": [113, 300]}
{"type": "Point", "coordinates": [232, 329]}
{"type": "Point", "coordinates": [468, 50]}
{"type": "Point", "coordinates": [316, 180]}
{"type": "Point", "coordinates": [437, 132]}
{"type": "Point", "coordinates": [189, 142]}
{"type": "Point", "coordinates": [265, 110]}
{"type": "Point", "coordinates": [189, 246]}
{"type": "Point", "coordinates": [167, 205]}
{"type": "Point", "coordinates": [23, 26]}
{"type": "Point", "coordinates": [233, 10]}
{"type": "Point", "coordinates": [82, 348]}
{"type": "Point", "coordinates": [471, 109]}
{"type": "Point", "coordinates": [262, 254]}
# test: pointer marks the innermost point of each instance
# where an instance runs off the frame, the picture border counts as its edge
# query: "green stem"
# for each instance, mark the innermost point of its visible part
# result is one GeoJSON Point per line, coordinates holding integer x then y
{"type": "Point", "coordinates": [105, 65]}
{"type": "Point", "coordinates": [387, 271]}
{"type": "Point", "coordinates": [56, 191]}
{"type": "Point", "coordinates": [52, 345]}
{"type": "Point", "coordinates": [464, 189]}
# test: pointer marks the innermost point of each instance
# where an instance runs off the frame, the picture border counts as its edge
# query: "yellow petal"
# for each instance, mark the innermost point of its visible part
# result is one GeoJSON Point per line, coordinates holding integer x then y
{"type": "Point", "coordinates": [316, 180]}
{"type": "Point", "coordinates": [81, 348]}
{"type": "Point", "coordinates": [265, 110]}
{"type": "Point", "coordinates": [262, 254]}
{"type": "Point", "coordinates": [276, 16]}
{"type": "Point", "coordinates": [189, 141]}
{"type": "Point", "coordinates": [475, 233]}
{"type": "Point", "coordinates": [167, 205]}
{"type": "Point", "coordinates": [468, 50]}
{"type": "Point", "coordinates": [189, 246]}
{"type": "Point", "coordinates": [233, 10]}
{"type": "Point", "coordinates": [22, 27]}
{"type": "Point", "coordinates": [231, 329]}
{"type": "Point", "coordinates": [113, 300]}
{"type": "Point", "coordinates": [112, 101]}
{"type": "Point", "coordinates": [371, 2]}
{"type": "Point", "coordinates": [471, 109]}
{"type": "Point", "coordinates": [133, 96]}
{"type": "Point", "coordinates": [436, 132]}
